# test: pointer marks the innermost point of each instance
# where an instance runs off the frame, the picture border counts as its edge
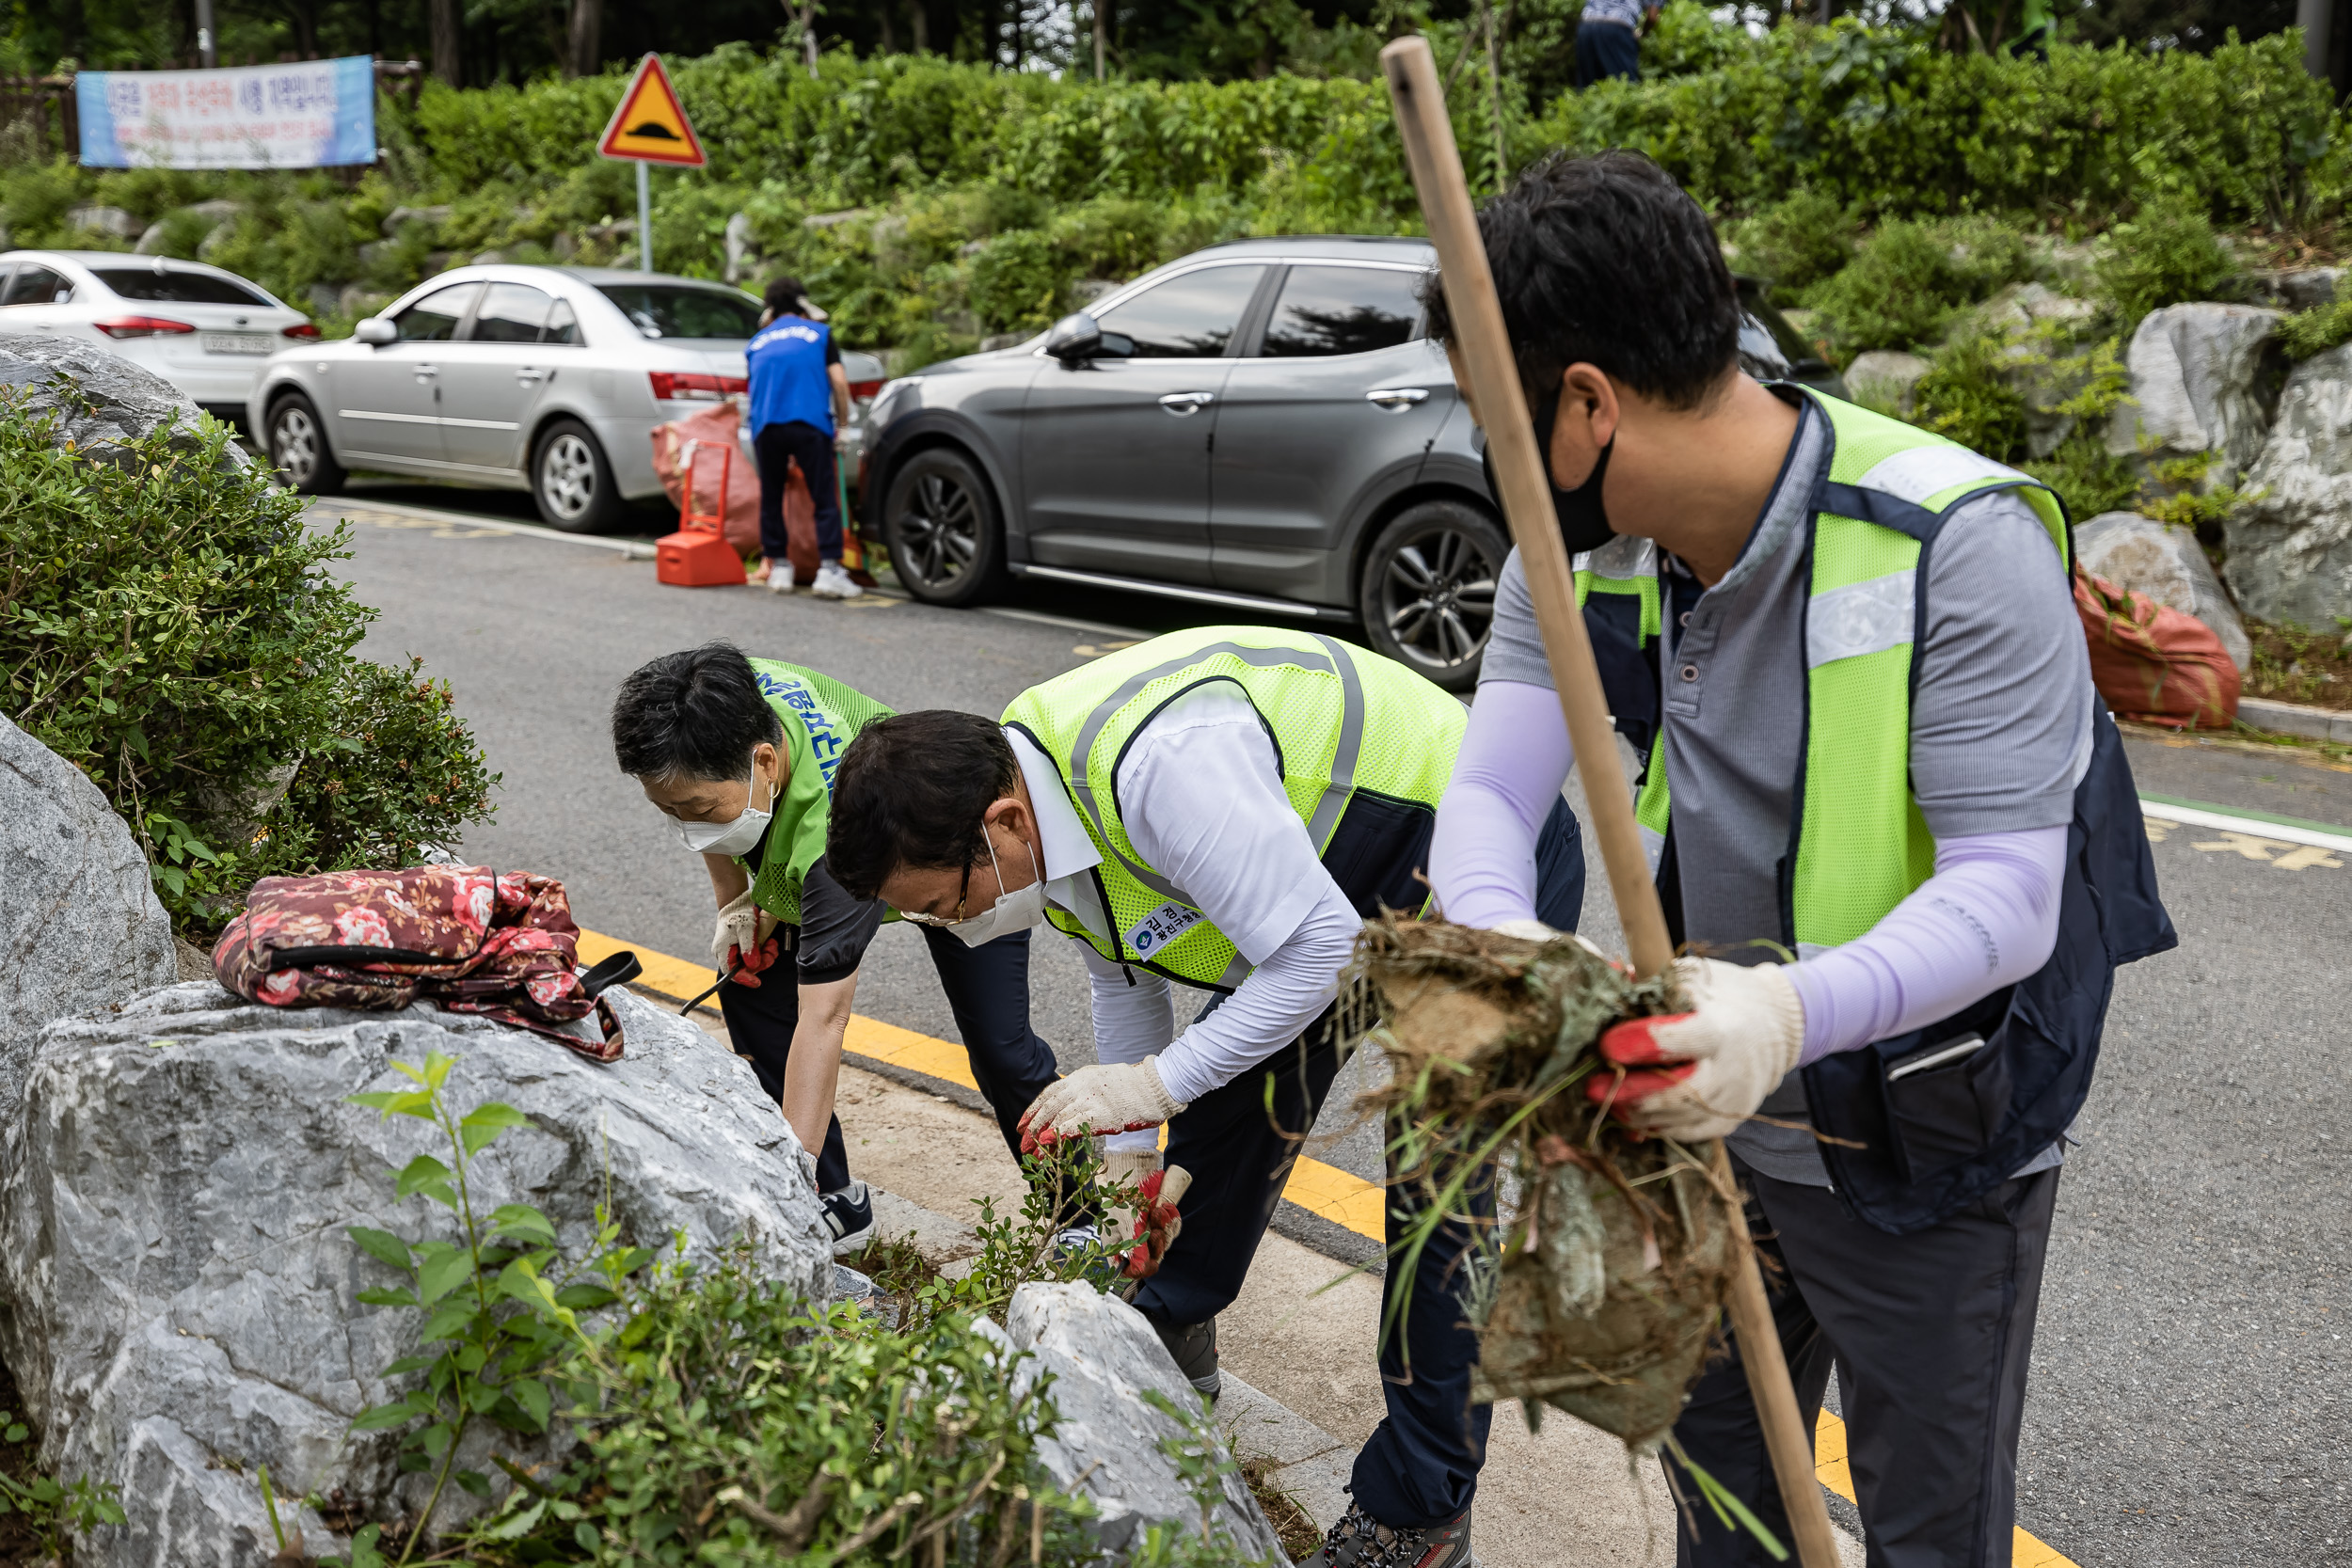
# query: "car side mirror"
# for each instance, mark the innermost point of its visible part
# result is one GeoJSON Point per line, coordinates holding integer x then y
{"type": "Point", "coordinates": [375, 332]}
{"type": "Point", "coordinates": [1075, 339]}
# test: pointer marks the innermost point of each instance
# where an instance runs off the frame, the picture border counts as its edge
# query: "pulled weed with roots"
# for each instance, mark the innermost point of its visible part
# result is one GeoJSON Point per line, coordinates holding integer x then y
{"type": "Point", "coordinates": [1599, 1289]}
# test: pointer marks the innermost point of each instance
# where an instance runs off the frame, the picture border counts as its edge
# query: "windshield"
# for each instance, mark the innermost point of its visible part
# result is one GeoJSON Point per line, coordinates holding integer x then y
{"type": "Point", "coordinates": [176, 288]}
{"type": "Point", "coordinates": [672, 310]}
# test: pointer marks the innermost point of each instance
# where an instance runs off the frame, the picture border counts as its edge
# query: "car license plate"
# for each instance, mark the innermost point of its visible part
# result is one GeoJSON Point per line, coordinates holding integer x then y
{"type": "Point", "coordinates": [233, 342]}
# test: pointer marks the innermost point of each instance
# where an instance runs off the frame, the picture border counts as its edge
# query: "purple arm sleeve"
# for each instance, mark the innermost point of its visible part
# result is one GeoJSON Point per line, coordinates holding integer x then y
{"type": "Point", "coordinates": [1514, 761]}
{"type": "Point", "coordinates": [1986, 919]}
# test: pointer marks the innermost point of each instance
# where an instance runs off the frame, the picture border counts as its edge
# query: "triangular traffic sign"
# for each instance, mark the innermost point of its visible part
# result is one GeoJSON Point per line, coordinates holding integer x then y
{"type": "Point", "coordinates": [649, 125]}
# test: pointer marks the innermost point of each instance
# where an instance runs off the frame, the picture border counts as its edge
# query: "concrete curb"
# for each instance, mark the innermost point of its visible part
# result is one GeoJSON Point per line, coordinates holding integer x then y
{"type": "Point", "coordinates": [2312, 723]}
{"type": "Point", "coordinates": [635, 550]}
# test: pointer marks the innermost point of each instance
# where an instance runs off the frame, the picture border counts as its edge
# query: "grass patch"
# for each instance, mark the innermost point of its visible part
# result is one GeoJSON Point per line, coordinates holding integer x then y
{"type": "Point", "coordinates": [1291, 1524]}
{"type": "Point", "coordinates": [2293, 664]}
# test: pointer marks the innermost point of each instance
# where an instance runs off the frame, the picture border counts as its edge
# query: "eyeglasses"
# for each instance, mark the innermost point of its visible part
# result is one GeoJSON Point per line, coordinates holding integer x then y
{"type": "Point", "coordinates": [956, 919]}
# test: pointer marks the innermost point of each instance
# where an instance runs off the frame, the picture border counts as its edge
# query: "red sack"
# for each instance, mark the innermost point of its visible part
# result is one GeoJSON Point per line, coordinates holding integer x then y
{"type": "Point", "coordinates": [698, 446]}
{"type": "Point", "coordinates": [464, 938]}
{"type": "Point", "coordinates": [2152, 663]}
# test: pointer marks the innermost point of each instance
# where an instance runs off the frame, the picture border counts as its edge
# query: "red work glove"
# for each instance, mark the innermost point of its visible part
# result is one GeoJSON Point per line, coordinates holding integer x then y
{"type": "Point", "coordinates": [1158, 1224]}
{"type": "Point", "coordinates": [762, 956]}
{"type": "Point", "coordinates": [1713, 1065]}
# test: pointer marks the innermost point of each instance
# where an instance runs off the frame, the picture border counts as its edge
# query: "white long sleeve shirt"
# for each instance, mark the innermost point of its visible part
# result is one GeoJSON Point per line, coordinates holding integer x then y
{"type": "Point", "coordinates": [1200, 794]}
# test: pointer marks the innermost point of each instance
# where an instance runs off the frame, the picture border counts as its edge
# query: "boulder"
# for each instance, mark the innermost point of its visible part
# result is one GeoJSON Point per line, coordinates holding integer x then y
{"type": "Point", "coordinates": [2290, 550]}
{"type": "Point", "coordinates": [1104, 1356]}
{"type": "Point", "coordinates": [98, 219]}
{"type": "Point", "coordinates": [742, 250]}
{"type": "Point", "coordinates": [2294, 288]}
{"type": "Point", "coordinates": [177, 1282]}
{"type": "Point", "coordinates": [1885, 377]}
{"type": "Point", "coordinates": [2022, 306]}
{"type": "Point", "coordinates": [80, 927]}
{"type": "Point", "coordinates": [323, 298]}
{"type": "Point", "coordinates": [2205, 378]}
{"type": "Point", "coordinates": [2169, 566]}
{"type": "Point", "coordinates": [400, 218]}
{"type": "Point", "coordinates": [101, 399]}
{"type": "Point", "coordinates": [357, 300]}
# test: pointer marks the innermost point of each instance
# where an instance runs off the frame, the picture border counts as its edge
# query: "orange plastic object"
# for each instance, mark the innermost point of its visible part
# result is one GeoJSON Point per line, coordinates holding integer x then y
{"type": "Point", "coordinates": [715, 519]}
{"type": "Point", "coordinates": [697, 558]}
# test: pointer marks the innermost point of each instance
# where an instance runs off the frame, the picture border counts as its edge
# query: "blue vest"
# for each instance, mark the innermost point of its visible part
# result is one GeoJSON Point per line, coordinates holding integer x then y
{"type": "Point", "coordinates": [788, 379]}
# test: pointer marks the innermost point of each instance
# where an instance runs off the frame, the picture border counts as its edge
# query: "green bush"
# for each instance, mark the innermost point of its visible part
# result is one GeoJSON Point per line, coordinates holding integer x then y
{"type": "Point", "coordinates": [170, 629]}
{"type": "Point", "coordinates": [2318, 329]}
{"type": "Point", "coordinates": [1018, 283]}
{"type": "Point", "coordinates": [2167, 254]}
{"type": "Point", "coordinates": [1797, 243]}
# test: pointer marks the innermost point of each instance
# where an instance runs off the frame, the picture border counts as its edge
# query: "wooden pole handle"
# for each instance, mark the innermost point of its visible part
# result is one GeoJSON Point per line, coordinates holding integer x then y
{"type": "Point", "coordinates": [1483, 348]}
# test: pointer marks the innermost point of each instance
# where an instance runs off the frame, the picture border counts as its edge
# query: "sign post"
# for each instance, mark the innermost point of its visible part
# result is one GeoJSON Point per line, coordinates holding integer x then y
{"type": "Point", "coordinates": [650, 127]}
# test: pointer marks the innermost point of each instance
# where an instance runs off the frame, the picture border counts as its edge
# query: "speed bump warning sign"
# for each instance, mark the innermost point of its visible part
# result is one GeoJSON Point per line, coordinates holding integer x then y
{"type": "Point", "coordinates": [649, 126]}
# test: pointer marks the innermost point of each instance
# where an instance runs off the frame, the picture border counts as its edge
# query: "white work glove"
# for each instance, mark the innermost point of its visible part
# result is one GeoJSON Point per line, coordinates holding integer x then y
{"type": "Point", "coordinates": [736, 937]}
{"type": "Point", "coordinates": [1699, 1074]}
{"type": "Point", "coordinates": [1126, 1167]}
{"type": "Point", "coordinates": [1535, 930]}
{"type": "Point", "coordinates": [1108, 1097]}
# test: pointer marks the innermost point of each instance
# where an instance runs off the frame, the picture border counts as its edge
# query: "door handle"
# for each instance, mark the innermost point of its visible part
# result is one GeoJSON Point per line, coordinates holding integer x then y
{"type": "Point", "coordinates": [1395, 400]}
{"type": "Point", "coordinates": [1183, 405]}
{"type": "Point", "coordinates": [426, 373]}
{"type": "Point", "coordinates": [530, 377]}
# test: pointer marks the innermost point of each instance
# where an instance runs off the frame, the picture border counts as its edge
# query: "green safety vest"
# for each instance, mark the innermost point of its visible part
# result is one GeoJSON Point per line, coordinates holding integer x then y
{"type": "Point", "coordinates": [820, 717]}
{"type": "Point", "coordinates": [1354, 733]}
{"type": "Point", "coordinates": [1861, 843]}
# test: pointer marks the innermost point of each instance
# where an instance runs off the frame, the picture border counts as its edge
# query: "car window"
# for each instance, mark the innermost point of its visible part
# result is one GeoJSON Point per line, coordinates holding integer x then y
{"type": "Point", "coordinates": [434, 319]}
{"type": "Point", "coordinates": [563, 324]}
{"type": "Point", "coordinates": [177, 288]}
{"type": "Point", "coordinates": [672, 311]}
{"type": "Point", "coordinates": [34, 285]}
{"type": "Point", "coordinates": [511, 313]}
{"type": "Point", "coordinates": [1192, 316]}
{"type": "Point", "coordinates": [1325, 310]}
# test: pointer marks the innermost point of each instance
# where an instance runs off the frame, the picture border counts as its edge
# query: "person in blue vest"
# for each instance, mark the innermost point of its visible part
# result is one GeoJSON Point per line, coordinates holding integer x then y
{"type": "Point", "coordinates": [1883, 799]}
{"type": "Point", "coordinates": [799, 396]}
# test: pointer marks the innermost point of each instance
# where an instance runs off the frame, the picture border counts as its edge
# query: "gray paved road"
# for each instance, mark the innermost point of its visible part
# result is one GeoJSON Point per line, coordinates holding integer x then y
{"type": "Point", "coordinates": [2191, 1401]}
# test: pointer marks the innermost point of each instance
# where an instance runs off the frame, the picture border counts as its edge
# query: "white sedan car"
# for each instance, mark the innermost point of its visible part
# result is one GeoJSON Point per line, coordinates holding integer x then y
{"type": "Point", "coordinates": [204, 330]}
{"type": "Point", "coordinates": [546, 379]}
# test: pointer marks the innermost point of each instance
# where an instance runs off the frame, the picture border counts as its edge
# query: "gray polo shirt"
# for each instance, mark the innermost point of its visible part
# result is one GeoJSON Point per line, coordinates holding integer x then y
{"type": "Point", "coordinates": [2000, 722]}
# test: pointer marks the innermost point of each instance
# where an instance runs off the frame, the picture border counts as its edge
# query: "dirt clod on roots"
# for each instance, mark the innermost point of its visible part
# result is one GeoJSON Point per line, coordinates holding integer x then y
{"type": "Point", "coordinates": [1599, 1291]}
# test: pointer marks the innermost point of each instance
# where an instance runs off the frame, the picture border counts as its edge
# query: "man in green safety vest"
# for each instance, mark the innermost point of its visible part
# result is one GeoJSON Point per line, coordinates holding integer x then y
{"type": "Point", "coordinates": [1880, 795]}
{"type": "Point", "coordinates": [1220, 809]}
{"type": "Point", "coordinates": [741, 755]}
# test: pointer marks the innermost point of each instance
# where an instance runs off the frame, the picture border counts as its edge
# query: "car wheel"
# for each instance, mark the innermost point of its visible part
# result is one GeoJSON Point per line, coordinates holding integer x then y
{"type": "Point", "coordinates": [298, 450]}
{"type": "Point", "coordinates": [1428, 592]}
{"type": "Point", "coordinates": [939, 522]}
{"type": "Point", "coordinates": [572, 482]}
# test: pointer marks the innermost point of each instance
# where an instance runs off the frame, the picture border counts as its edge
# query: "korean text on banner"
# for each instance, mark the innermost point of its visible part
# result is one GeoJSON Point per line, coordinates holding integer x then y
{"type": "Point", "coordinates": [301, 114]}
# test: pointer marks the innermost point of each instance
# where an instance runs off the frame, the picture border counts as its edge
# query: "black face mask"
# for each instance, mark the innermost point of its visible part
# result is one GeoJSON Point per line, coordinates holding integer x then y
{"type": "Point", "coordinates": [1584, 521]}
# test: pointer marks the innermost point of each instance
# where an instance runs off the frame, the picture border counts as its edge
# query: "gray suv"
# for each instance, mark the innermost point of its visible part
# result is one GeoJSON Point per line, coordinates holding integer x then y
{"type": "Point", "coordinates": [1259, 426]}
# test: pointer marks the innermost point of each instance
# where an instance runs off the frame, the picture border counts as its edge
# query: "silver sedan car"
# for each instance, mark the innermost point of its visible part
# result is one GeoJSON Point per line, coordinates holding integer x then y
{"type": "Point", "coordinates": [546, 379]}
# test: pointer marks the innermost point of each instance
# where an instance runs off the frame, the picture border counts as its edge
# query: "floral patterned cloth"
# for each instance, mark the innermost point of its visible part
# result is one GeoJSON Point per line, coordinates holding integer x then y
{"type": "Point", "coordinates": [463, 937]}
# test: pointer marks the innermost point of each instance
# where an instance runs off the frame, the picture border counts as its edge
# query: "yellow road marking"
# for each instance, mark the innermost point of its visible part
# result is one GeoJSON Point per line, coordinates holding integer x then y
{"type": "Point", "coordinates": [1341, 1196]}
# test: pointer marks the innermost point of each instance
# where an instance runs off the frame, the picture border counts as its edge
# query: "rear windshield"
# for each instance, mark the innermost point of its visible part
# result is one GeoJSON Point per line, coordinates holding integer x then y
{"type": "Point", "coordinates": [176, 288]}
{"type": "Point", "coordinates": [668, 310]}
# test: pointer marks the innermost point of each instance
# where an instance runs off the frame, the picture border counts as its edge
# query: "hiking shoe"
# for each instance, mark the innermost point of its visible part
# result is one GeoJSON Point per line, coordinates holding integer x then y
{"type": "Point", "coordinates": [832, 582]}
{"type": "Point", "coordinates": [848, 1218]}
{"type": "Point", "coordinates": [779, 576]}
{"type": "Point", "coordinates": [1360, 1541]}
{"type": "Point", "coordinates": [1194, 1348]}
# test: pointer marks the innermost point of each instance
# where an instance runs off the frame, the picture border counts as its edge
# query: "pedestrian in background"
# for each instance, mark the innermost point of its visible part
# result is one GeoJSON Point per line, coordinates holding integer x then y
{"type": "Point", "coordinates": [1608, 40]}
{"type": "Point", "coordinates": [799, 395]}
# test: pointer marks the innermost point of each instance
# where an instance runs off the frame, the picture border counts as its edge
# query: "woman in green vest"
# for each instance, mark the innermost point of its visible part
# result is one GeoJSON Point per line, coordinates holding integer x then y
{"type": "Point", "coordinates": [740, 754]}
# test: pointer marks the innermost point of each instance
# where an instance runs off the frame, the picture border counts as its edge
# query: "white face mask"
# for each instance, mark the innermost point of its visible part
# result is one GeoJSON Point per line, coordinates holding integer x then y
{"type": "Point", "coordinates": [1014, 911]}
{"type": "Point", "coordinates": [737, 837]}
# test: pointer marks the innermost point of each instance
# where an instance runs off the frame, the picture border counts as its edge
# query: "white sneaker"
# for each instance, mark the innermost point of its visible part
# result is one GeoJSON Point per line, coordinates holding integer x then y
{"type": "Point", "coordinates": [780, 577]}
{"type": "Point", "coordinates": [832, 582]}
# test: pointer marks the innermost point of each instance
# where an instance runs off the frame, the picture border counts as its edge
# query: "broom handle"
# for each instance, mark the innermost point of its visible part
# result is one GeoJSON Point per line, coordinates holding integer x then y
{"type": "Point", "coordinates": [1483, 349]}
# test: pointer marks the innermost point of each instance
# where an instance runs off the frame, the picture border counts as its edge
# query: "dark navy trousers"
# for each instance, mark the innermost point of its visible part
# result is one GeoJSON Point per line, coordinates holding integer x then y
{"type": "Point", "coordinates": [988, 990]}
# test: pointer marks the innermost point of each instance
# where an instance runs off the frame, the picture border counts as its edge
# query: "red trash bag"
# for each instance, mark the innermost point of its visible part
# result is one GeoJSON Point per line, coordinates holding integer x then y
{"type": "Point", "coordinates": [2152, 662]}
{"type": "Point", "coordinates": [461, 936]}
{"type": "Point", "coordinates": [697, 446]}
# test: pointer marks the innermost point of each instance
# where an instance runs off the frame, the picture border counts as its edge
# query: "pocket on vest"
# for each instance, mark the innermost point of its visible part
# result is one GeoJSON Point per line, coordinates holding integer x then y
{"type": "Point", "coordinates": [1947, 1114]}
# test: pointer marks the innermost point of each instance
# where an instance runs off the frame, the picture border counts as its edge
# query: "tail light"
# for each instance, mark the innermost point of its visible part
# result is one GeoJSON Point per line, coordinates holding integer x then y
{"type": "Point", "coordinates": [299, 329]}
{"type": "Point", "coordinates": [861, 390]}
{"type": "Point", "coordinates": [694, 386]}
{"type": "Point", "coordinates": [142, 326]}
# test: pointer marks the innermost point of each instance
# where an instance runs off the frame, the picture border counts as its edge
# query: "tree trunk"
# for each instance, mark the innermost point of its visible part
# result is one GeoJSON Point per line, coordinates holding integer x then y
{"type": "Point", "coordinates": [583, 40]}
{"type": "Point", "coordinates": [448, 46]}
{"type": "Point", "coordinates": [805, 14]}
{"type": "Point", "coordinates": [890, 46]}
{"type": "Point", "coordinates": [1102, 37]}
{"type": "Point", "coordinates": [921, 18]}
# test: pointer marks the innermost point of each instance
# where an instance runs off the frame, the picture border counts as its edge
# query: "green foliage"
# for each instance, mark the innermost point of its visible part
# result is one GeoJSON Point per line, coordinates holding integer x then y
{"type": "Point", "coordinates": [1910, 280]}
{"type": "Point", "coordinates": [1966, 396]}
{"type": "Point", "coordinates": [2167, 254]}
{"type": "Point", "coordinates": [1797, 243]}
{"type": "Point", "coordinates": [53, 1509]}
{"type": "Point", "coordinates": [1018, 283]}
{"type": "Point", "coordinates": [167, 624]}
{"type": "Point", "coordinates": [2318, 329]}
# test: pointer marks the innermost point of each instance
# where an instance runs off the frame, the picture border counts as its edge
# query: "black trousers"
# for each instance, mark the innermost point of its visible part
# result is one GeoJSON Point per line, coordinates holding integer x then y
{"type": "Point", "coordinates": [1930, 1335]}
{"type": "Point", "coordinates": [1606, 49]}
{"type": "Point", "coordinates": [797, 441]}
{"type": "Point", "coordinates": [988, 990]}
{"type": "Point", "coordinates": [1420, 1466]}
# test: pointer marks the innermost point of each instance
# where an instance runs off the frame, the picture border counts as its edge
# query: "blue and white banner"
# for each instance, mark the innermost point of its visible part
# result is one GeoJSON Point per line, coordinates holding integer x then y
{"type": "Point", "coordinates": [304, 113]}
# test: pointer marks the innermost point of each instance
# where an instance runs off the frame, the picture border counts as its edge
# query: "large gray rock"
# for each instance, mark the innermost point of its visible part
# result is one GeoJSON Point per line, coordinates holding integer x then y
{"type": "Point", "coordinates": [102, 400]}
{"type": "Point", "coordinates": [1103, 1356]}
{"type": "Point", "coordinates": [2205, 378]}
{"type": "Point", "coordinates": [2290, 550]}
{"type": "Point", "coordinates": [80, 927]}
{"type": "Point", "coordinates": [2296, 287]}
{"type": "Point", "coordinates": [101, 219]}
{"type": "Point", "coordinates": [176, 1279]}
{"type": "Point", "coordinates": [1885, 377]}
{"type": "Point", "coordinates": [2169, 566]}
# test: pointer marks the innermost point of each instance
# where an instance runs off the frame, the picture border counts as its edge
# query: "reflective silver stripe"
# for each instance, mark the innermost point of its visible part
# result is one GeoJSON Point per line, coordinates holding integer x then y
{"type": "Point", "coordinates": [1624, 557]}
{"type": "Point", "coordinates": [1653, 846]}
{"type": "Point", "coordinates": [1237, 972]}
{"type": "Point", "coordinates": [1325, 820]}
{"type": "Point", "coordinates": [1860, 618]}
{"type": "Point", "coordinates": [1918, 473]}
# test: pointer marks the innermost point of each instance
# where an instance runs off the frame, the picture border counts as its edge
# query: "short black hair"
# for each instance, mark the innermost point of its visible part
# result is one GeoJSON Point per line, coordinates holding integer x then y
{"type": "Point", "coordinates": [1605, 260]}
{"type": "Point", "coordinates": [695, 714]}
{"type": "Point", "coordinates": [911, 791]}
{"type": "Point", "coordinates": [783, 294]}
